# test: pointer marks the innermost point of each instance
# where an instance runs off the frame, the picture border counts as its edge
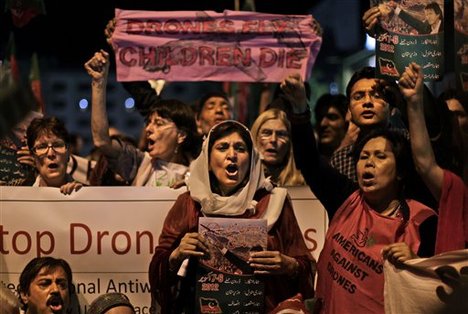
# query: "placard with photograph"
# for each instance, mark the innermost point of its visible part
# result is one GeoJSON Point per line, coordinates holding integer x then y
{"type": "Point", "coordinates": [410, 31]}
{"type": "Point", "coordinates": [225, 280]}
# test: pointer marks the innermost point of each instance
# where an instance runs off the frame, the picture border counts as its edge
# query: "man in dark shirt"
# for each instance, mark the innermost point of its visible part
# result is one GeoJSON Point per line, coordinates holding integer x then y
{"type": "Point", "coordinates": [370, 103]}
{"type": "Point", "coordinates": [433, 22]}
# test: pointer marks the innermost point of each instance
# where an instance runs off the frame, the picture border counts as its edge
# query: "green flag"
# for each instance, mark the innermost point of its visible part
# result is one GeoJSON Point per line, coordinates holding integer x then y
{"type": "Point", "coordinates": [35, 81]}
{"type": "Point", "coordinates": [10, 67]}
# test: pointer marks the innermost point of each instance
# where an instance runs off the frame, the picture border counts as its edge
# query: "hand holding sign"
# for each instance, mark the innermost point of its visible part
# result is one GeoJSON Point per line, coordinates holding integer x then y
{"type": "Point", "coordinates": [229, 46]}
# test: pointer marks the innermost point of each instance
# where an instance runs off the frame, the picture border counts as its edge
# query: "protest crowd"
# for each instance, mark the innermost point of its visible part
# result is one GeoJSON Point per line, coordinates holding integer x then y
{"type": "Point", "coordinates": [387, 158]}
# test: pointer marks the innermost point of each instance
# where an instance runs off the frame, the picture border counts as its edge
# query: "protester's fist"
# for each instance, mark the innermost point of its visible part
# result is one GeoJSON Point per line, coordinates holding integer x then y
{"type": "Point", "coordinates": [294, 89]}
{"type": "Point", "coordinates": [98, 66]}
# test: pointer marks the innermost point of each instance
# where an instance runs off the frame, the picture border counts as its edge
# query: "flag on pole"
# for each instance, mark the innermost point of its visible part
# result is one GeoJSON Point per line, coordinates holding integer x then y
{"type": "Point", "coordinates": [35, 81]}
{"type": "Point", "coordinates": [10, 62]}
{"type": "Point", "coordinates": [22, 11]}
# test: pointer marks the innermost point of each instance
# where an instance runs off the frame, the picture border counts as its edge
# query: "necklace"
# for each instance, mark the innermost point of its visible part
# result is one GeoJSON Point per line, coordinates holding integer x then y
{"type": "Point", "coordinates": [394, 211]}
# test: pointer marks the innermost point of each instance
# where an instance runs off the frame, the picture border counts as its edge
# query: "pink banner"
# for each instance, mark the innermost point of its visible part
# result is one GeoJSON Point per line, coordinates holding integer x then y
{"type": "Point", "coordinates": [210, 46]}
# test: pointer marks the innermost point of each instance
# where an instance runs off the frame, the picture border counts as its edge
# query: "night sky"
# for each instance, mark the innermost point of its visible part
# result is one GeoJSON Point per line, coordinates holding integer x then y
{"type": "Point", "coordinates": [71, 31]}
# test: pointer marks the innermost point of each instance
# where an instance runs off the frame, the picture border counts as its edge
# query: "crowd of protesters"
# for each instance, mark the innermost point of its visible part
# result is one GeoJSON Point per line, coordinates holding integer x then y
{"type": "Point", "coordinates": [387, 178]}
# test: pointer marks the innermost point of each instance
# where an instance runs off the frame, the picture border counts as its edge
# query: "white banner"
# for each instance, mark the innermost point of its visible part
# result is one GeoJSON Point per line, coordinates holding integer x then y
{"type": "Point", "coordinates": [107, 234]}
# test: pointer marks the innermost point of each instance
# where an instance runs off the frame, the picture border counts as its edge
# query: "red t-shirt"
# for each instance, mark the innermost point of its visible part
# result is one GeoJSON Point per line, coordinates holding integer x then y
{"type": "Point", "coordinates": [452, 228]}
{"type": "Point", "coordinates": [350, 267]}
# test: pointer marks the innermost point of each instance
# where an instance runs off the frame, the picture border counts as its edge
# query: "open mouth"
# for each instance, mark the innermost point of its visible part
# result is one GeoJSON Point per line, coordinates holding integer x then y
{"type": "Point", "coordinates": [367, 178]}
{"type": "Point", "coordinates": [55, 303]}
{"type": "Point", "coordinates": [232, 170]}
{"type": "Point", "coordinates": [53, 166]}
{"type": "Point", "coordinates": [271, 151]}
{"type": "Point", "coordinates": [150, 144]}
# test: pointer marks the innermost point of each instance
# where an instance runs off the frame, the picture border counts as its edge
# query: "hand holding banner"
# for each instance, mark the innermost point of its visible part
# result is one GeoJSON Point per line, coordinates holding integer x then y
{"type": "Point", "coordinates": [409, 32]}
{"type": "Point", "coordinates": [205, 45]}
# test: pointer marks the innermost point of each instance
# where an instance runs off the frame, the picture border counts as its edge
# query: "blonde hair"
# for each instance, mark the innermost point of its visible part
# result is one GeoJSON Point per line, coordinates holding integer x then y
{"type": "Point", "coordinates": [9, 303]}
{"type": "Point", "coordinates": [289, 174]}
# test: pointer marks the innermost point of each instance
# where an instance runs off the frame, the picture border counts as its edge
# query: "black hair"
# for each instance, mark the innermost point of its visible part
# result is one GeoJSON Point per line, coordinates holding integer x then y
{"type": "Point", "coordinates": [32, 269]}
{"type": "Point", "coordinates": [102, 174]}
{"type": "Point", "coordinates": [224, 129]}
{"type": "Point", "coordinates": [363, 73]}
{"type": "Point", "coordinates": [323, 104]}
{"type": "Point", "coordinates": [446, 137]}
{"type": "Point", "coordinates": [434, 6]}
{"type": "Point", "coordinates": [400, 148]}
{"type": "Point", "coordinates": [46, 125]}
{"type": "Point", "coordinates": [205, 97]}
{"type": "Point", "coordinates": [405, 169]}
{"type": "Point", "coordinates": [386, 86]}
{"type": "Point", "coordinates": [183, 117]}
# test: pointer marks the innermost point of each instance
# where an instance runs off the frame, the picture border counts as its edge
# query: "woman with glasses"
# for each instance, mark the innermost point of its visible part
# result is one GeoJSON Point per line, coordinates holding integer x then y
{"type": "Point", "coordinates": [48, 140]}
{"type": "Point", "coordinates": [271, 134]}
{"type": "Point", "coordinates": [171, 135]}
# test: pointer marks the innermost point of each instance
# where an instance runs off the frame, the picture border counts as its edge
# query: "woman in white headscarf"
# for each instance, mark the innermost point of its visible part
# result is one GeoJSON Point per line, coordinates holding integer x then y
{"type": "Point", "coordinates": [227, 181]}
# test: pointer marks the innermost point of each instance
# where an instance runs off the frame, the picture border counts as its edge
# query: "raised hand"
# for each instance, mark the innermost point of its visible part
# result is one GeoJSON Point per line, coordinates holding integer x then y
{"type": "Point", "coordinates": [294, 90]}
{"type": "Point", "coordinates": [411, 83]}
{"type": "Point", "coordinates": [98, 66]}
{"type": "Point", "coordinates": [370, 19]}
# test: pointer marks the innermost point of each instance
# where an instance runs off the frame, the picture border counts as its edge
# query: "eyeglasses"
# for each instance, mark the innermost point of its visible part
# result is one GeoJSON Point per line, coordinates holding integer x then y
{"type": "Point", "coordinates": [42, 149]}
{"type": "Point", "coordinates": [281, 135]}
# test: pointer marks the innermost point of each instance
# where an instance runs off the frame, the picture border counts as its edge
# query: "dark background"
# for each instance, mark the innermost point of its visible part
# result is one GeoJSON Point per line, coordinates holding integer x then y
{"type": "Point", "coordinates": [71, 31]}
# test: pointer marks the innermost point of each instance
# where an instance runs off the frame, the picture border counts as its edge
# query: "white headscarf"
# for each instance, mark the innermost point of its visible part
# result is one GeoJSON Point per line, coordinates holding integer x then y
{"type": "Point", "coordinates": [236, 204]}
